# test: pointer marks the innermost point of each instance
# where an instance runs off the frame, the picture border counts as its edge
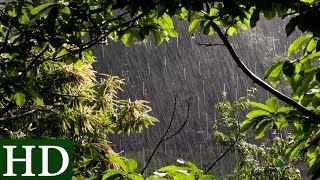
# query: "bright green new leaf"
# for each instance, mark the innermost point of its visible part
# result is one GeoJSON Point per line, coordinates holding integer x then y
{"type": "Point", "coordinates": [246, 124]}
{"type": "Point", "coordinates": [273, 104]}
{"type": "Point", "coordinates": [213, 12]}
{"type": "Point", "coordinates": [307, 1]}
{"type": "Point", "coordinates": [66, 10]}
{"type": "Point", "coordinates": [311, 45]}
{"type": "Point", "coordinates": [274, 76]}
{"type": "Point", "coordinates": [131, 165]}
{"type": "Point", "coordinates": [257, 113]}
{"type": "Point", "coordinates": [167, 19]}
{"type": "Point", "coordinates": [173, 168]}
{"type": "Point", "coordinates": [119, 161]}
{"type": "Point", "coordinates": [78, 64]}
{"type": "Point", "coordinates": [298, 43]}
{"type": "Point", "coordinates": [232, 30]}
{"type": "Point", "coordinates": [41, 8]}
{"type": "Point", "coordinates": [135, 176]}
{"type": "Point", "coordinates": [272, 68]}
{"type": "Point", "coordinates": [260, 105]}
{"type": "Point", "coordinates": [20, 98]}
{"type": "Point", "coordinates": [127, 38]}
{"type": "Point", "coordinates": [193, 26]}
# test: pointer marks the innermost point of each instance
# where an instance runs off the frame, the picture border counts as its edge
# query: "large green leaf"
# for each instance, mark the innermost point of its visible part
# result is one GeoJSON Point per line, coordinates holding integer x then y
{"type": "Point", "coordinates": [260, 106]}
{"type": "Point", "coordinates": [257, 113]}
{"type": "Point", "coordinates": [273, 67]}
{"type": "Point", "coordinates": [273, 104]}
{"type": "Point", "coordinates": [296, 45]}
{"type": "Point", "coordinates": [131, 165]}
{"type": "Point", "coordinates": [246, 124]}
{"type": "Point", "coordinates": [261, 128]}
{"type": "Point", "coordinates": [193, 26]}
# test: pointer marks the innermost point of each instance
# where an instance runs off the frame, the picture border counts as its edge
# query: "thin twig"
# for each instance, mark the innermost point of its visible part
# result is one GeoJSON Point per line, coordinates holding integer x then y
{"type": "Point", "coordinates": [222, 155]}
{"type": "Point", "coordinates": [183, 125]}
{"type": "Point", "coordinates": [163, 138]}
{"type": "Point", "coordinates": [208, 44]}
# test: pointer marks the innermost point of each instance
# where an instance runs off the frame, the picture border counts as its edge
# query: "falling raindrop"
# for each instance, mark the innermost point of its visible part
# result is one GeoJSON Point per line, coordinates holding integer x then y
{"type": "Point", "coordinates": [198, 106]}
{"type": "Point", "coordinates": [143, 90]}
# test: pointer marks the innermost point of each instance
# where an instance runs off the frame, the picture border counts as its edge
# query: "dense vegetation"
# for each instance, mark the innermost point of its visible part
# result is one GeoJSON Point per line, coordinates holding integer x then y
{"type": "Point", "coordinates": [49, 89]}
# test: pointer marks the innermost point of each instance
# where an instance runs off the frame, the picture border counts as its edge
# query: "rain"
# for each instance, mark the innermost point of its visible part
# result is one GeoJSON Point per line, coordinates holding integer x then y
{"type": "Point", "coordinates": [181, 67]}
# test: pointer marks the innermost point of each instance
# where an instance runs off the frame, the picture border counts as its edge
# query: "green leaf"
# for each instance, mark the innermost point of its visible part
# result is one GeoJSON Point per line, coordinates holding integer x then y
{"type": "Point", "coordinates": [119, 161]}
{"type": "Point", "coordinates": [36, 97]}
{"type": "Point", "coordinates": [274, 76]}
{"type": "Point", "coordinates": [131, 165]}
{"type": "Point", "coordinates": [207, 177]}
{"type": "Point", "coordinates": [127, 38]}
{"type": "Point", "coordinates": [208, 29]}
{"type": "Point", "coordinates": [66, 10]}
{"type": "Point", "coordinates": [257, 113]}
{"type": "Point", "coordinates": [260, 105]}
{"type": "Point", "coordinates": [172, 168]}
{"type": "Point", "coordinates": [273, 104]}
{"type": "Point", "coordinates": [167, 19]}
{"type": "Point", "coordinates": [298, 43]}
{"type": "Point", "coordinates": [112, 174]}
{"type": "Point", "coordinates": [246, 124]}
{"type": "Point", "coordinates": [280, 163]}
{"type": "Point", "coordinates": [193, 26]}
{"type": "Point", "coordinates": [293, 147]}
{"type": "Point", "coordinates": [43, 7]}
{"type": "Point", "coordinates": [157, 37]}
{"type": "Point", "coordinates": [296, 149]}
{"type": "Point", "coordinates": [20, 98]}
{"type": "Point", "coordinates": [312, 45]}
{"type": "Point", "coordinates": [232, 30]}
{"type": "Point", "coordinates": [78, 64]}
{"type": "Point", "coordinates": [272, 68]}
{"type": "Point", "coordinates": [261, 128]}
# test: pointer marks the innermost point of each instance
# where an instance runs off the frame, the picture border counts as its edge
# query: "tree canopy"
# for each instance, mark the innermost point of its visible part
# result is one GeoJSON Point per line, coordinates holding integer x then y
{"type": "Point", "coordinates": [49, 89]}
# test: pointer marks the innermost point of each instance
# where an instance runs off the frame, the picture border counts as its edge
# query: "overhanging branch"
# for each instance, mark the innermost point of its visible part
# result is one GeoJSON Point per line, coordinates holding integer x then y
{"type": "Point", "coordinates": [314, 117]}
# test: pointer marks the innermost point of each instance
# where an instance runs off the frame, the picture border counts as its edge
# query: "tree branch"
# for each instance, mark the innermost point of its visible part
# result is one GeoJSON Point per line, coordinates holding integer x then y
{"type": "Point", "coordinates": [314, 117]}
{"type": "Point", "coordinates": [163, 138]}
{"type": "Point", "coordinates": [222, 155]}
{"type": "Point", "coordinates": [26, 113]}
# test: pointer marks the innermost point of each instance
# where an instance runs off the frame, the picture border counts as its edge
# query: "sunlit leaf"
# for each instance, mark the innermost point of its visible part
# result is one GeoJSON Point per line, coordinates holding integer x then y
{"type": "Point", "coordinates": [20, 98]}
{"type": "Point", "coordinates": [296, 45]}
{"type": "Point", "coordinates": [193, 26]}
